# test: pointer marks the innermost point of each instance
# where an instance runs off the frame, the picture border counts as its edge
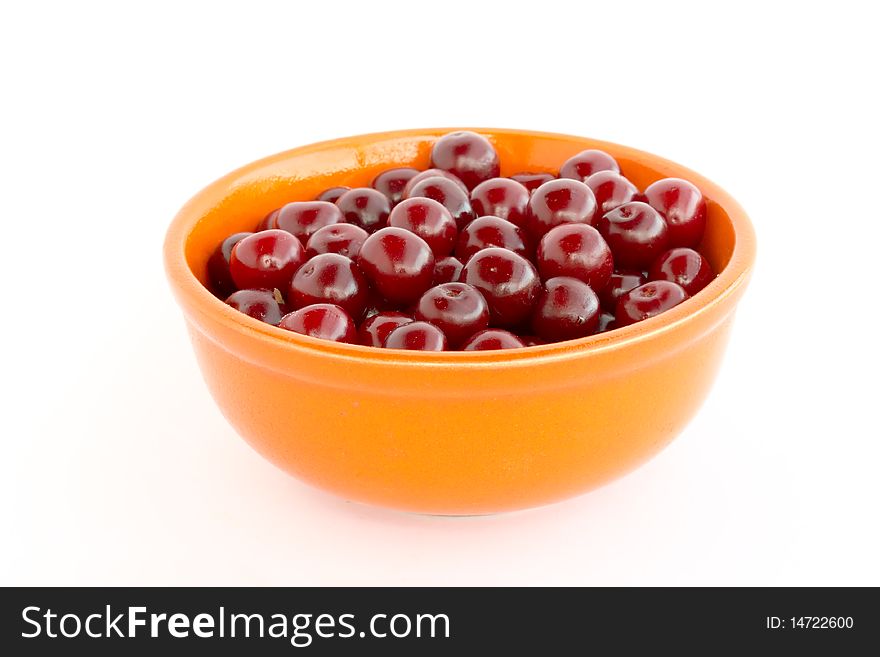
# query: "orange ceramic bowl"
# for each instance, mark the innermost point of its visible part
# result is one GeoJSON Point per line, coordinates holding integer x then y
{"type": "Point", "coordinates": [453, 432]}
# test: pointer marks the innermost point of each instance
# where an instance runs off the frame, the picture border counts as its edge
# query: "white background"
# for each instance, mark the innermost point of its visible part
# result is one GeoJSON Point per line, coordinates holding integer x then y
{"type": "Point", "coordinates": [118, 469]}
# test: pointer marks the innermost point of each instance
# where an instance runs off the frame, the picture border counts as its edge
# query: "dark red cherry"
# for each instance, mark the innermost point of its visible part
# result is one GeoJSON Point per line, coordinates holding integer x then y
{"type": "Point", "coordinates": [219, 278]}
{"type": "Point", "coordinates": [508, 281]}
{"type": "Point", "coordinates": [457, 309]}
{"type": "Point", "coordinates": [685, 267]}
{"type": "Point", "coordinates": [264, 305]}
{"type": "Point", "coordinates": [648, 300]}
{"type": "Point", "coordinates": [398, 263]}
{"type": "Point", "coordinates": [683, 207]}
{"type": "Point", "coordinates": [501, 197]}
{"type": "Point", "coordinates": [485, 232]}
{"type": "Point", "coordinates": [606, 322]}
{"type": "Point", "coordinates": [267, 259]}
{"type": "Point", "coordinates": [467, 155]}
{"type": "Point", "coordinates": [429, 220]}
{"type": "Point", "coordinates": [416, 336]}
{"type": "Point", "coordinates": [431, 173]}
{"type": "Point", "coordinates": [365, 207]}
{"type": "Point", "coordinates": [560, 202]}
{"type": "Point", "coordinates": [491, 339]}
{"type": "Point", "coordinates": [331, 195]}
{"type": "Point", "coordinates": [567, 309]}
{"type": "Point", "coordinates": [619, 283]}
{"type": "Point", "coordinates": [532, 340]}
{"type": "Point", "coordinates": [636, 234]}
{"type": "Point", "coordinates": [304, 218]}
{"type": "Point", "coordinates": [575, 250]}
{"type": "Point", "coordinates": [611, 190]}
{"type": "Point", "coordinates": [531, 181]}
{"type": "Point", "coordinates": [375, 329]}
{"type": "Point", "coordinates": [321, 320]}
{"type": "Point", "coordinates": [586, 163]}
{"type": "Point", "coordinates": [447, 270]}
{"type": "Point", "coordinates": [344, 239]}
{"type": "Point", "coordinates": [330, 278]}
{"type": "Point", "coordinates": [448, 194]}
{"type": "Point", "coordinates": [268, 221]}
{"type": "Point", "coordinates": [391, 182]}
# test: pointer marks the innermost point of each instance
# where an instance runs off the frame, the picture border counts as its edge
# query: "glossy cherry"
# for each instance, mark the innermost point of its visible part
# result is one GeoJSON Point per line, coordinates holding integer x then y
{"type": "Point", "coordinates": [586, 163]}
{"type": "Point", "coordinates": [330, 278]}
{"type": "Point", "coordinates": [448, 194]}
{"type": "Point", "coordinates": [636, 233]}
{"type": "Point", "coordinates": [508, 281]}
{"type": "Point", "coordinates": [611, 190]}
{"type": "Point", "coordinates": [447, 270]}
{"type": "Point", "coordinates": [683, 207]}
{"type": "Point", "coordinates": [457, 309]}
{"type": "Point", "coordinates": [429, 220]}
{"type": "Point", "coordinates": [467, 155]}
{"type": "Point", "coordinates": [264, 305]}
{"type": "Point", "coordinates": [683, 266]}
{"type": "Point", "coordinates": [416, 336]}
{"type": "Point", "coordinates": [365, 207]}
{"type": "Point", "coordinates": [321, 320]}
{"type": "Point", "coordinates": [375, 329]}
{"type": "Point", "coordinates": [567, 309]}
{"type": "Point", "coordinates": [531, 181]}
{"type": "Point", "coordinates": [648, 300]}
{"type": "Point", "coordinates": [304, 218]}
{"type": "Point", "coordinates": [267, 259]}
{"type": "Point", "coordinates": [432, 173]}
{"type": "Point", "coordinates": [560, 202]}
{"type": "Point", "coordinates": [392, 182]}
{"type": "Point", "coordinates": [619, 283]}
{"type": "Point", "coordinates": [492, 339]}
{"type": "Point", "coordinates": [485, 232]}
{"type": "Point", "coordinates": [344, 239]}
{"type": "Point", "coordinates": [575, 250]}
{"type": "Point", "coordinates": [398, 263]}
{"type": "Point", "coordinates": [501, 197]}
{"type": "Point", "coordinates": [332, 194]}
{"type": "Point", "coordinates": [219, 277]}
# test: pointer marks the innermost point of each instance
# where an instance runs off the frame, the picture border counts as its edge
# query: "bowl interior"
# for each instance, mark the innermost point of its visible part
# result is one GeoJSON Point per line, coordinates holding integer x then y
{"type": "Point", "coordinates": [301, 174]}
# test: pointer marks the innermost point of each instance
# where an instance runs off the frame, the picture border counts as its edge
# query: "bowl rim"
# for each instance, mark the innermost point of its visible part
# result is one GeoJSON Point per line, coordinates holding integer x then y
{"type": "Point", "coordinates": [195, 297]}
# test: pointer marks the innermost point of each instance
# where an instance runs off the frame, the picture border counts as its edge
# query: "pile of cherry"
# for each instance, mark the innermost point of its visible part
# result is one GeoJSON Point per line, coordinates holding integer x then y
{"type": "Point", "coordinates": [457, 257]}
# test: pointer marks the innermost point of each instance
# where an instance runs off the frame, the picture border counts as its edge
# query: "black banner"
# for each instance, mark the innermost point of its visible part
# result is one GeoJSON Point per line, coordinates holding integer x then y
{"type": "Point", "coordinates": [408, 621]}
